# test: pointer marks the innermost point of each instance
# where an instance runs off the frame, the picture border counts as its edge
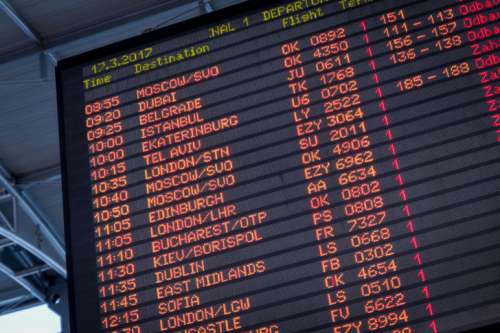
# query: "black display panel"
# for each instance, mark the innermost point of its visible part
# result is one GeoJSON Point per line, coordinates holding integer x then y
{"type": "Point", "coordinates": [303, 166]}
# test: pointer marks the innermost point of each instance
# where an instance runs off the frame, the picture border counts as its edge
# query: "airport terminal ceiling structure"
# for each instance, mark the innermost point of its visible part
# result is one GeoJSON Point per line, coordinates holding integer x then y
{"type": "Point", "coordinates": [34, 35]}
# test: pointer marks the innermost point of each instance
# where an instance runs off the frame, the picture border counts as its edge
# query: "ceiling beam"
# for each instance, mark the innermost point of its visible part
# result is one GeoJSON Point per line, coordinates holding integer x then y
{"type": "Point", "coordinates": [26, 28]}
{"type": "Point", "coordinates": [18, 240]}
{"type": "Point", "coordinates": [20, 22]}
{"type": "Point", "coordinates": [20, 305]}
{"type": "Point", "coordinates": [32, 271]}
{"type": "Point", "coordinates": [37, 218]}
{"type": "Point", "coordinates": [4, 196]}
{"type": "Point", "coordinates": [23, 282]}
{"type": "Point", "coordinates": [13, 295]}
{"type": "Point", "coordinates": [51, 44]}
{"type": "Point", "coordinates": [4, 242]}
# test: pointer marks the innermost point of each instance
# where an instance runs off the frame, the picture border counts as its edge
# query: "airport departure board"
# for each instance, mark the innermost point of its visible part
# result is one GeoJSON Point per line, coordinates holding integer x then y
{"type": "Point", "coordinates": [287, 166]}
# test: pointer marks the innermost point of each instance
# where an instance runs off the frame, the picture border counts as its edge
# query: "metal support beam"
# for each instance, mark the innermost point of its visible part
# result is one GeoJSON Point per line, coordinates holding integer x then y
{"type": "Point", "coordinates": [26, 29]}
{"type": "Point", "coordinates": [54, 239]}
{"type": "Point", "coordinates": [20, 305]}
{"type": "Point", "coordinates": [61, 270]}
{"type": "Point", "coordinates": [8, 213]}
{"type": "Point", "coordinates": [8, 297]}
{"type": "Point", "coordinates": [22, 282]}
{"type": "Point", "coordinates": [59, 303]}
{"type": "Point", "coordinates": [33, 213]}
{"type": "Point", "coordinates": [4, 242]}
{"type": "Point", "coordinates": [32, 271]}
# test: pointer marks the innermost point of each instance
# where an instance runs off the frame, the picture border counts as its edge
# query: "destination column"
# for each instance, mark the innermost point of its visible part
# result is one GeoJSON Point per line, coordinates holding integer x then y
{"type": "Point", "coordinates": [184, 185]}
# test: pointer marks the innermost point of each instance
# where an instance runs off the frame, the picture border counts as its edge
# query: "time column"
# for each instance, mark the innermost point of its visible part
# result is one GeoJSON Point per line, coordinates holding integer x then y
{"type": "Point", "coordinates": [111, 212]}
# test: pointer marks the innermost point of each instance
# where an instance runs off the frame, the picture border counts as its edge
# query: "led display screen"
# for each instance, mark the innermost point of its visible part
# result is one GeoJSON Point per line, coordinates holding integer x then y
{"type": "Point", "coordinates": [287, 166]}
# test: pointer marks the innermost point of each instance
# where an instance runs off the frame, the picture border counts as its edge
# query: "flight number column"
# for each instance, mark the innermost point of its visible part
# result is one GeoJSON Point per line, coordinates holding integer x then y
{"type": "Point", "coordinates": [111, 212]}
{"type": "Point", "coordinates": [308, 125]}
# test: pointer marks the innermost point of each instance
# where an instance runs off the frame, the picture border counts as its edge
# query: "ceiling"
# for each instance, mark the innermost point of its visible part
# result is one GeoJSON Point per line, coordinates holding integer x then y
{"type": "Point", "coordinates": [34, 35]}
